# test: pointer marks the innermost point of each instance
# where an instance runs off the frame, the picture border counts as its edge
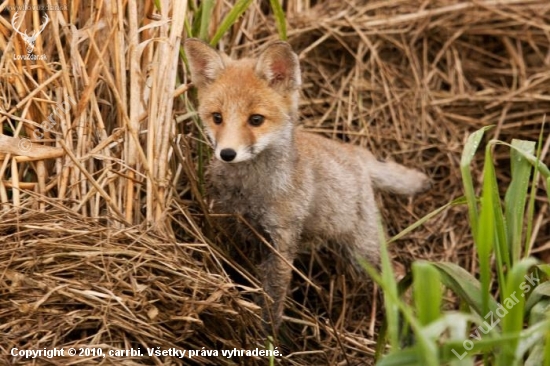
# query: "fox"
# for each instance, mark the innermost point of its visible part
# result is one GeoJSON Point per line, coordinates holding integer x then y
{"type": "Point", "coordinates": [294, 187]}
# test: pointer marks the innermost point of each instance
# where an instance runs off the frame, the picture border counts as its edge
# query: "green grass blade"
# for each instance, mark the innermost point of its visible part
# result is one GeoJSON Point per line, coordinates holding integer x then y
{"type": "Point", "coordinates": [517, 286]}
{"type": "Point", "coordinates": [427, 292]}
{"type": "Point", "coordinates": [412, 356]}
{"type": "Point", "coordinates": [270, 348]}
{"type": "Point", "coordinates": [236, 11]}
{"type": "Point", "coordinates": [539, 293]}
{"type": "Point", "coordinates": [390, 293]}
{"type": "Point", "coordinates": [536, 356]}
{"type": "Point", "coordinates": [406, 357]}
{"type": "Point", "coordinates": [467, 156]}
{"type": "Point", "coordinates": [483, 346]}
{"type": "Point", "coordinates": [206, 18]}
{"type": "Point", "coordinates": [539, 313]}
{"type": "Point", "coordinates": [280, 19]}
{"type": "Point", "coordinates": [462, 348]}
{"type": "Point", "coordinates": [427, 349]}
{"type": "Point", "coordinates": [381, 341]}
{"type": "Point", "coordinates": [456, 202]}
{"type": "Point", "coordinates": [532, 340]}
{"type": "Point", "coordinates": [544, 268]}
{"type": "Point", "coordinates": [538, 164]}
{"type": "Point", "coordinates": [195, 25]}
{"type": "Point", "coordinates": [488, 345]}
{"type": "Point", "coordinates": [547, 348]}
{"type": "Point", "coordinates": [188, 30]}
{"type": "Point", "coordinates": [458, 330]}
{"type": "Point", "coordinates": [466, 286]}
{"type": "Point", "coordinates": [485, 238]}
{"type": "Point", "coordinates": [454, 327]}
{"type": "Point", "coordinates": [531, 204]}
{"type": "Point", "coordinates": [516, 196]}
{"type": "Point", "coordinates": [402, 286]}
{"type": "Point", "coordinates": [502, 251]}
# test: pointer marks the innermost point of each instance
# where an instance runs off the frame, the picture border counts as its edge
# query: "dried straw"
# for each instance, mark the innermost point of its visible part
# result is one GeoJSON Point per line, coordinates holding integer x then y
{"type": "Point", "coordinates": [105, 234]}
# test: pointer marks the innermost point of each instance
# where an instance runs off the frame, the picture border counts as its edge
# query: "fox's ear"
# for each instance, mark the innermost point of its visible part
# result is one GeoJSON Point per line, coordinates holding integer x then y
{"type": "Point", "coordinates": [205, 63]}
{"type": "Point", "coordinates": [279, 66]}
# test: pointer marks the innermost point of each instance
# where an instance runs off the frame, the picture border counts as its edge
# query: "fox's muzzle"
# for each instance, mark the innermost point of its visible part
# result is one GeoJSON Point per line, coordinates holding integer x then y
{"type": "Point", "coordinates": [228, 155]}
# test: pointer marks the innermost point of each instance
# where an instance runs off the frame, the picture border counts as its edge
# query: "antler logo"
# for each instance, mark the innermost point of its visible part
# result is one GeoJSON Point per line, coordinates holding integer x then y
{"type": "Point", "coordinates": [29, 40]}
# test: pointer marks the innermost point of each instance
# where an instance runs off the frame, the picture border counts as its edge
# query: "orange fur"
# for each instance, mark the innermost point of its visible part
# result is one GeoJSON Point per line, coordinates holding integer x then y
{"type": "Point", "coordinates": [294, 187]}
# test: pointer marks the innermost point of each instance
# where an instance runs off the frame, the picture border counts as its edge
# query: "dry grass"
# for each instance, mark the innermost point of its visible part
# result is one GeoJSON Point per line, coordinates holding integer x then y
{"type": "Point", "coordinates": [104, 232]}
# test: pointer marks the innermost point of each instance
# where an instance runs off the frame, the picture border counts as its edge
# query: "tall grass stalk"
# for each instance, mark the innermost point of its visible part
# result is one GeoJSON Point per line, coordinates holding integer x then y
{"type": "Point", "coordinates": [498, 228]}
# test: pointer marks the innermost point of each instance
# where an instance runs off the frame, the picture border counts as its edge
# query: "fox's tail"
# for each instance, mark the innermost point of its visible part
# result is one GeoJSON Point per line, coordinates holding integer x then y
{"type": "Point", "coordinates": [392, 177]}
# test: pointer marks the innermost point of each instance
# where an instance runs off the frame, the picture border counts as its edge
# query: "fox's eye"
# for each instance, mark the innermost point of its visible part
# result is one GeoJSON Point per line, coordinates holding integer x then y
{"type": "Point", "coordinates": [256, 120]}
{"type": "Point", "coordinates": [217, 117]}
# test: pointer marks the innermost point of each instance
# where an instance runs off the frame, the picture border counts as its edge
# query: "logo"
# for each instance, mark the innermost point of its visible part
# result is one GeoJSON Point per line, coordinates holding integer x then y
{"type": "Point", "coordinates": [30, 40]}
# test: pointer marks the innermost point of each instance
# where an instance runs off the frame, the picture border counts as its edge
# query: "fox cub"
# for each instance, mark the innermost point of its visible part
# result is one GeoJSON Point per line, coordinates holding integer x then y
{"type": "Point", "coordinates": [294, 187]}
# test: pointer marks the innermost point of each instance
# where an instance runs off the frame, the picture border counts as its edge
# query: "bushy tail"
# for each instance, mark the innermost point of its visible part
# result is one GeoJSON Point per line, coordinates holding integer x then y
{"type": "Point", "coordinates": [392, 177]}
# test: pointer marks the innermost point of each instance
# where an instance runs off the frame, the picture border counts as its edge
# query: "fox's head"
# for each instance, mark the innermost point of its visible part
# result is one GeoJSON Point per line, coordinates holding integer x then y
{"type": "Point", "coordinates": [247, 105]}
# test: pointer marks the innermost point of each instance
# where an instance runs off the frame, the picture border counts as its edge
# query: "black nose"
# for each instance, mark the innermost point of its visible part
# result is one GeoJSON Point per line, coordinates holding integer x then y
{"type": "Point", "coordinates": [228, 154]}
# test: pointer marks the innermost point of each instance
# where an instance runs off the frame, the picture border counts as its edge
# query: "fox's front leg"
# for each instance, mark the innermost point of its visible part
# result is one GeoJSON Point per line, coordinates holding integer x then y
{"type": "Point", "coordinates": [277, 273]}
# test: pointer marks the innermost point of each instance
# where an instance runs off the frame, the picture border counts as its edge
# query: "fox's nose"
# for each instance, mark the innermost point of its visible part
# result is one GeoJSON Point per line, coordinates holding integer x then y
{"type": "Point", "coordinates": [228, 154]}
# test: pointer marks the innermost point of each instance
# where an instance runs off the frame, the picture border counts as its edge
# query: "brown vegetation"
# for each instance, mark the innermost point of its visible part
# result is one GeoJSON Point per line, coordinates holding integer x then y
{"type": "Point", "coordinates": [104, 237]}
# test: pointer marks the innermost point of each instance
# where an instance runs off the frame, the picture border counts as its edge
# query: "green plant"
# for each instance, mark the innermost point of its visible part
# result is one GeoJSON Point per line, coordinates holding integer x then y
{"type": "Point", "coordinates": [511, 329]}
